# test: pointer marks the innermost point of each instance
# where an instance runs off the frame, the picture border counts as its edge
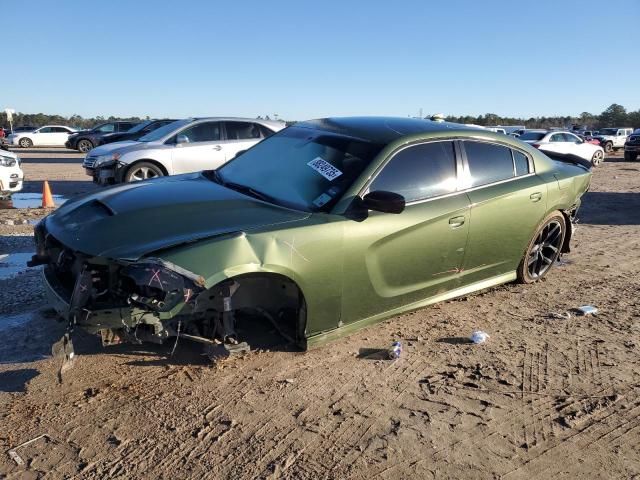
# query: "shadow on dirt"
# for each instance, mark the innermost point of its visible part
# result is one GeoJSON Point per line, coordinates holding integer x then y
{"type": "Point", "coordinates": [373, 354]}
{"type": "Point", "coordinates": [15, 381]}
{"type": "Point", "coordinates": [610, 208]}
{"type": "Point", "coordinates": [455, 340]}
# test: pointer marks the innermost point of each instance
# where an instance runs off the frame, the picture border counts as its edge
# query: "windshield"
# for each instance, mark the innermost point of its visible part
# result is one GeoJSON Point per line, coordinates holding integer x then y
{"type": "Point", "coordinates": [163, 131]}
{"type": "Point", "coordinates": [301, 168]}
{"type": "Point", "coordinates": [532, 136]}
{"type": "Point", "coordinates": [139, 127]}
{"type": "Point", "coordinates": [609, 131]}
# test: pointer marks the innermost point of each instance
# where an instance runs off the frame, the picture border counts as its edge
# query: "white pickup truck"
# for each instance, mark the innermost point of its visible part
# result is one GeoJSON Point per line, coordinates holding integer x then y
{"type": "Point", "coordinates": [613, 138]}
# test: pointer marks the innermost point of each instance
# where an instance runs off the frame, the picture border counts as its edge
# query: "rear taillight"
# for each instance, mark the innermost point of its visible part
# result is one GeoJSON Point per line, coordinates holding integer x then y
{"type": "Point", "coordinates": [535, 145]}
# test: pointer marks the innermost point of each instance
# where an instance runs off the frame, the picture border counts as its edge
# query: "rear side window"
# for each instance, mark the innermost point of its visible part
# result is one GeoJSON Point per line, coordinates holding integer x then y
{"type": "Point", "coordinates": [488, 163]}
{"type": "Point", "coordinates": [242, 131]}
{"type": "Point", "coordinates": [264, 131]}
{"type": "Point", "coordinates": [521, 163]}
{"type": "Point", "coordinates": [420, 172]}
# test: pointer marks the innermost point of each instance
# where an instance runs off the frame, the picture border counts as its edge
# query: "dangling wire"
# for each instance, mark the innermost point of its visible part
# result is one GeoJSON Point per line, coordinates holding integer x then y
{"type": "Point", "coordinates": [177, 338]}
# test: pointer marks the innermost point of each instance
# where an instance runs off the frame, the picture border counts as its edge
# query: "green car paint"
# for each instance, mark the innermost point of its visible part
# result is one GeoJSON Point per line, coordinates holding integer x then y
{"type": "Point", "coordinates": [350, 269]}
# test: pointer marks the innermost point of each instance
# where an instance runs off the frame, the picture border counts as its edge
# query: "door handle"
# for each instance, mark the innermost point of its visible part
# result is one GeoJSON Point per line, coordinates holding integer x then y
{"type": "Point", "coordinates": [217, 148]}
{"type": "Point", "coordinates": [456, 222]}
{"type": "Point", "coordinates": [536, 197]}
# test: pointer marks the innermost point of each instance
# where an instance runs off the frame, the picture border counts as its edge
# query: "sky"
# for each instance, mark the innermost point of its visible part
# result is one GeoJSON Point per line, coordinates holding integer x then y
{"type": "Point", "coordinates": [303, 59]}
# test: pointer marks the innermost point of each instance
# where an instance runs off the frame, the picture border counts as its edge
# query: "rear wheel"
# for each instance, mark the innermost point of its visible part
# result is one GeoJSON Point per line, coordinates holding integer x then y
{"type": "Point", "coordinates": [85, 145]}
{"type": "Point", "coordinates": [25, 143]}
{"type": "Point", "coordinates": [630, 156]}
{"type": "Point", "coordinates": [597, 158]}
{"type": "Point", "coordinates": [608, 147]}
{"type": "Point", "coordinates": [543, 250]}
{"type": "Point", "coordinates": [143, 171]}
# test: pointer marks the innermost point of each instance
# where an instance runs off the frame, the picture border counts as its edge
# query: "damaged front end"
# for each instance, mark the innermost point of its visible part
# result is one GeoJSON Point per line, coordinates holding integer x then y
{"type": "Point", "coordinates": [145, 300]}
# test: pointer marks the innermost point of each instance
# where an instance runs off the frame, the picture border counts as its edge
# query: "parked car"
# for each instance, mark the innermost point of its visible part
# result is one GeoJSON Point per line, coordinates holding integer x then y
{"type": "Point", "coordinates": [135, 133]}
{"type": "Point", "coordinates": [613, 139]}
{"type": "Point", "coordinates": [184, 146]}
{"type": "Point", "coordinates": [11, 175]}
{"type": "Point", "coordinates": [23, 128]}
{"type": "Point", "coordinates": [87, 139]}
{"type": "Point", "coordinates": [324, 227]}
{"type": "Point", "coordinates": [587, 139]}
{"type": "Point", "coordinates": [47, 136]}
{"type": "Point", "coordinates": [563, 143]}
{"type": "Point", "coordinates": [632, 146]}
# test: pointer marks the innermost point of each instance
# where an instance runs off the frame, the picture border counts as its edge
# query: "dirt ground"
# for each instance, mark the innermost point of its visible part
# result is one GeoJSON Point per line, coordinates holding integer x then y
{"type": "Point", "coordinates": [545, 397]}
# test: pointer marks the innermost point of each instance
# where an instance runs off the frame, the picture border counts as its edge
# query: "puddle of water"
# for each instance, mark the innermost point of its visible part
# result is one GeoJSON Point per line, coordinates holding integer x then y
{"type": "Point", "coordinates": [7, 322]}
{"type": "Point", "coordinates": [29, 200]}
{"type": "Point", "coordinates": [13, 264]}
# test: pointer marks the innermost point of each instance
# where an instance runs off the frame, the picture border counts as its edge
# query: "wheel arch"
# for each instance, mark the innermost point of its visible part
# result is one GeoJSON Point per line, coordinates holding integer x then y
{"type": "Point", "coordinates": [270, 292]}
{"type": "Point", "coordinates": [129, 166]}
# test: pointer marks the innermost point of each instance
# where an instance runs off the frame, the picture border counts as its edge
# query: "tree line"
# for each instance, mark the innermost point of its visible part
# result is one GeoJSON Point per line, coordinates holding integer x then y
{"type": "Point", "coordinates": [614, 116]}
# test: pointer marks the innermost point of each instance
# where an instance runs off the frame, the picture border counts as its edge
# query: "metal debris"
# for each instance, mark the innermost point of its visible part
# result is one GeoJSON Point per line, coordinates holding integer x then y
{"type": "Point", "coordinates": [63, 350]}
{"type": "Point", "coordinates": [14, 454]}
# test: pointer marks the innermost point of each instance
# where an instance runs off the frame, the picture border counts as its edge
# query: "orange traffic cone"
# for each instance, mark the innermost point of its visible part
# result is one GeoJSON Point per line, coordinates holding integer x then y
{"type": "Point", "coordinates": [47, 198]}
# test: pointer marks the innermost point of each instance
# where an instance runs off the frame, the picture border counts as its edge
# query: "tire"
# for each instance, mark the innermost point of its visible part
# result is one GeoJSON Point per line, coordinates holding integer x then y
{"type": "Point", "coordinates": [84, 145]}
{"type": "Point", "coordinates": [25, 142]}
{"type": "Point", "coordinates": [630, 156]}
{"type": "Point", "coordinates": [598, 158]}
{"type": "Point", "coordinates": [142, 171]}
{"type": "Point", "coordinates": [608, 147]}
{"type": "Point", "coordinates": [543, 249]}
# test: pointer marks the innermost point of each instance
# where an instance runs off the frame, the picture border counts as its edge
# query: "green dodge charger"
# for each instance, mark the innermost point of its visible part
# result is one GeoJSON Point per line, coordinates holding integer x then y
{"type": "Point", "coordinates": [322, 228]}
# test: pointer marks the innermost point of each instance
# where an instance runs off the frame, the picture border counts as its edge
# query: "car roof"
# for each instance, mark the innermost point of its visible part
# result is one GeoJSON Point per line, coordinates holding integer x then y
{"type": "Point", "coordinates": [238, 119]}
{"type": "Point", "coordinates": [383, 129]}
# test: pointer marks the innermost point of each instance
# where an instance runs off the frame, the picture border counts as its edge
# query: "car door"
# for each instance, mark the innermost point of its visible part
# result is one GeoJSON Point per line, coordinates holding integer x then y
{"type": "Point", "coordinates": [578, 147]}
{"type": "Point", "coordinates": [557, 144]}
{"type": "Point", "coordinates": [240, 136]}
{"type": "Point", "coordinates": [508, 202]}
{"type": "Point", "coordinates": [44, 136]}
{"type": "Point", "coordinates": [393, 260]}
{"type": "Point", "coordinates": [198, 147]}
{"type": "Point", "coordinates": [60, 136]}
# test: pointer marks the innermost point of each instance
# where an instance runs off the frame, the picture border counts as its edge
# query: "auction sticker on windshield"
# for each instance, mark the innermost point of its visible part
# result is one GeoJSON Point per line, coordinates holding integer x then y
{"type": "Point", "coordinates": [324, 168]}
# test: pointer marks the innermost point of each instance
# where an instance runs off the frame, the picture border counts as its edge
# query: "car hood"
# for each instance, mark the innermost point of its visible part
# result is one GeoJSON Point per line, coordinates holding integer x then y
{"type": "Point", "coordinates": [129, 221]}
{"type": "Point", "coordinates": [110, 147]}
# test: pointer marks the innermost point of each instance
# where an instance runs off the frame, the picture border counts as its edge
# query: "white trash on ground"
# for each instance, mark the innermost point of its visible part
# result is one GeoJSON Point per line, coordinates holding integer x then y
{"type": "Point", "coordinates": [587, 310]}
{"type": "Point", "coordinates": [479, 337]}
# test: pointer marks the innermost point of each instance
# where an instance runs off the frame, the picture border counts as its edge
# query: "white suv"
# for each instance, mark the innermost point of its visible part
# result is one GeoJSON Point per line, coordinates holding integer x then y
{"type": "Point", "coordinates": [613, 138]}
{"type": "Point", "coordinates": [183, 146]}
{"type": "Point", "coordinates": [11, 176]}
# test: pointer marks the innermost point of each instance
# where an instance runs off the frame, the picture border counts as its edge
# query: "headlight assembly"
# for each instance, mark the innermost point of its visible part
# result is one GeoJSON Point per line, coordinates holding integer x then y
{"type": "Point", "coordinates": [7, 161]}
{"type": "Point", "coordinates": [107, 160]}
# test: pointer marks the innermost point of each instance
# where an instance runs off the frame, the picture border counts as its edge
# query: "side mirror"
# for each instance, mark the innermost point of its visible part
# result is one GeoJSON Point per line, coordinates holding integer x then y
{"type": "Point", "coordinates": [382, 201]}
{"type": "Point", "coordinates": [182, 139]}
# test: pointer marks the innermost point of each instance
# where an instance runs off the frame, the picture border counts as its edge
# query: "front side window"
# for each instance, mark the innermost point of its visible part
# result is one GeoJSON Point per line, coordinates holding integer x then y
{"type": "Point", "coordinates": [420, 172]}
{"type": "Point", "coordinates": [570, 138]}
{"type": "Point", "coordinates": [105, 128]}
{"type": "Point", "coordinates": [242, 131]}
{"type": "Point", "coordinates": [301, 168]}
{"type": "Point", "coordinates": [488, 163]}
{"type": "Point", "coordinates": [202, 132]}
{"type": "Point", "coordinates": [125, 127]}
